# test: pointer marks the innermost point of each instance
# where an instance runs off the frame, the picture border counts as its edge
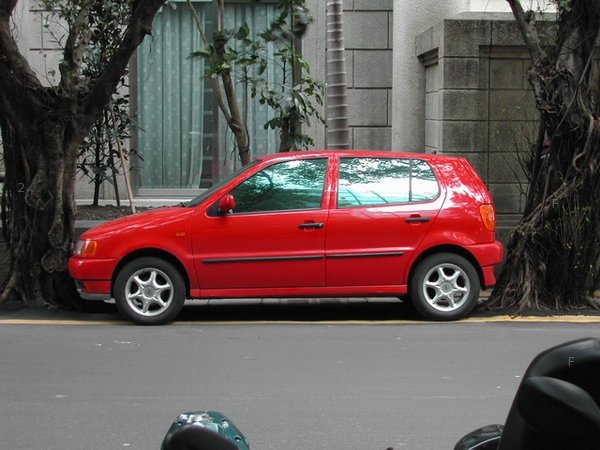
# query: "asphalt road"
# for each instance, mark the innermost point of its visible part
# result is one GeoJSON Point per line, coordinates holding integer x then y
{"type": "Point", "coordinates": [92, 384]}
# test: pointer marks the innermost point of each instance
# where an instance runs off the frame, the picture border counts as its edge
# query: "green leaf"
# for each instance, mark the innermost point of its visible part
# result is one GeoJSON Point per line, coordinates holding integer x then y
{"type": "Point", "coordinates": [243, 32]}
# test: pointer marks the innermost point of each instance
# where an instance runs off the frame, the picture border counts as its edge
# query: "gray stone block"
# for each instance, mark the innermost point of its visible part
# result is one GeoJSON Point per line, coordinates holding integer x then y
{"type": "Point", "coordinates": [464, 38]}
{"type": "Point", "coordinates": [464, 105]}
{"type": "Point", "coordinates": [390, 99]}
{"type": "Point", "coordinates": [432, 134]}
{"type": "Point", "coordinates": [509, 198]}
{"type": "Point", "coordinates": [433, 106]}
{"type": "Point", "coordinates": [464, 137]}
{"type": "Point", "coordinates": [348, 5]}
{"type": "Point", "coordinates": [366, 30]}
{"type": "Point", "coordinates": [509, 105]}
{"type": "Point", "coordinates": [379, 5]}
{"type": "Point", "coordinates": [350, 68]}
{"type": "Point", "coordinates": [506, 32]}
{"type": "Point", "coordinates": [372, 68]}
{"type": "Point", "coordinates": [368, 107]}
{"type": "Point", "coordinates": [372, 138]}
{"type": "Point", "coordinates": [433, 78]}
{"type": "Point", "coordinates": [460, 73]}
{"type": "Point", "coordinates": [508, 136]}
{"type": "Point", "coordinates": [507, 168]}
{"type": "Point", "coordinates": [507, 74]}
{"type": "Point", "coordinates": [429, 40]}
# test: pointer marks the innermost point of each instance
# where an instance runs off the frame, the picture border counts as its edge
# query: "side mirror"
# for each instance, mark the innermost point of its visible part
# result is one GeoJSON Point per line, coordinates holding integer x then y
{"type": "Point", "coordinates": [226, 204]}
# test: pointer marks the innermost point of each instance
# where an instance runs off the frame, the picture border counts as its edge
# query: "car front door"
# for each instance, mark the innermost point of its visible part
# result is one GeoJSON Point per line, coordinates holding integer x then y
{"type": "Point", "coordinates": [275, 235]}
{"type": "Point", "coordinates": [385, 207]}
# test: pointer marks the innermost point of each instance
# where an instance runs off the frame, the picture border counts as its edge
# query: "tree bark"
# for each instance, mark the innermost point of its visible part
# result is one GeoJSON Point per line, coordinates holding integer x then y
{"type": "Point", "coordinates": [42, 129]}
{"type": "Point", "coordinates": [338, 134]}
{"type": "Point", "coordinates": [553, 258]}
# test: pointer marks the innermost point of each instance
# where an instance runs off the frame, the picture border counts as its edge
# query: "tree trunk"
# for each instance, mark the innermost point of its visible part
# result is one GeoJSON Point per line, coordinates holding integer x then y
{"type": "Point", "coordinates": [553, 258]}
{"type": "Point", "coordinates": [38, 213]}
{"type": "Point", "coordinates": [42, 129]}
{"type": "Point", "coordinates": [338, 134]}
{"type": "Point", "coordinates": [233, 115]}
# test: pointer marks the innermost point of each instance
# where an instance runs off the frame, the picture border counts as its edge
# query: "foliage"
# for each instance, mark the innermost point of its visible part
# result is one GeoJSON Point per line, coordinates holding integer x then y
{"type": "Point", "coordinates": [98, 151]}
{"type": "Point", "coordinates": [235, 53]}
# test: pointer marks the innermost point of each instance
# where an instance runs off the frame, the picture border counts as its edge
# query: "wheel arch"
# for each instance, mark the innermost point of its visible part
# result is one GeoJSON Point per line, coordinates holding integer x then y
{"type": "Point", "coordinates": [157, 253]}
{"type": "Point", "coordinates": [461, 251]}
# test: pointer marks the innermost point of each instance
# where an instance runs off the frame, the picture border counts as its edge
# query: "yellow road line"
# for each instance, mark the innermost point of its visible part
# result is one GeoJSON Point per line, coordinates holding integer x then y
{"type": "Point", "coordinates": [495, 319]}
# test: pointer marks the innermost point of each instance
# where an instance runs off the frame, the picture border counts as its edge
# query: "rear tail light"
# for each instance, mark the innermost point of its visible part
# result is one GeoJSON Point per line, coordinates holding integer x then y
{"type": "Point", "coordinates": [488, 216]}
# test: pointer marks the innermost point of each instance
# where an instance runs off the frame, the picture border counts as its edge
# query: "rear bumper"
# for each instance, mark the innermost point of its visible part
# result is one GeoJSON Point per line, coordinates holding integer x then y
{"type": "Point", "coordinates": [488, 256]}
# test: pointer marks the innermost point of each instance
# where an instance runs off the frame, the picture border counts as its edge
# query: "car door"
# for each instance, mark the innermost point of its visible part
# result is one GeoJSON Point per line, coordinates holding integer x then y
{"type": "Point", "coordinates": [275, 235]}
{"type": "Point", "coordinates": [384, 209]}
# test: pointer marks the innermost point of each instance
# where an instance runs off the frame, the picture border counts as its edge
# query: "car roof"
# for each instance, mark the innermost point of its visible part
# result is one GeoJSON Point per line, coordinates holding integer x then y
{"type": "Point", "coordinates": [355, 153]}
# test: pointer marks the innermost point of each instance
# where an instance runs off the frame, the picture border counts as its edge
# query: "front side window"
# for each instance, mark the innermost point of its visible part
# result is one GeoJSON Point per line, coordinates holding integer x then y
{"type": "Point", "coordinates": [290, 185]}
{"type": "Point", "coordinates": [384, 181]}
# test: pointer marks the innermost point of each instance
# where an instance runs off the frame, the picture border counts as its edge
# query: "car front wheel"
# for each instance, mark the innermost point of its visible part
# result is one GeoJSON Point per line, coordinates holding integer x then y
{"type": "Point", "coordinates": [445, 286]}
{"type": "Point", "coordinates": [149, 291]}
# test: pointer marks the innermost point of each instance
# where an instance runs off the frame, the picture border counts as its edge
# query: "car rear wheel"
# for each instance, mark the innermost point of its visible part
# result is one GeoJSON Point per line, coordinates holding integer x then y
{"type": "Point", "coordinates": [445, 286]}
{"type": "Point", "coordinates": [149, 291]}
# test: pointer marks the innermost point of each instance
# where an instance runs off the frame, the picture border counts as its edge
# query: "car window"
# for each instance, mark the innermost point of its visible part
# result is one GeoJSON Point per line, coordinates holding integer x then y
{"type": "Point", "coordinates": [424, 186]}
{"type": "Point", "coordinates": [289, 185]}
{"type": "Point", "coordinates": [382, 181]}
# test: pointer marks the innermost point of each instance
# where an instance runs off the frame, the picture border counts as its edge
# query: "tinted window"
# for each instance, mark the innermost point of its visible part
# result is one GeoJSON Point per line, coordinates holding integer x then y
{"type": "Point", "coordinates": [284, 186]}
{"type": "Point", "coordinates": [424, 186]}
{"type": "Point", "coordinates": [382, 181]}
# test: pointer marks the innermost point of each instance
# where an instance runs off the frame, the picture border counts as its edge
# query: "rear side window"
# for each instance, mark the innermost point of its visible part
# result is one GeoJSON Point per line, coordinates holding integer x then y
{"type": "Point", "coordinates": [383, 181]}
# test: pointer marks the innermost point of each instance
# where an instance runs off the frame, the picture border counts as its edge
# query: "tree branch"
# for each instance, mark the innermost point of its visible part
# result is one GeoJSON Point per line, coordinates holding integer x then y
{"type": "Point", "coordinates": [6, 8]}
{"type": "Point", "coordinates": [77, 41]}
{"type": "Point", "coordinates": [21, 93]}
{"type": "Point", "coordinates": [140, 25]}
{"type": "Point", "coordinates": [525, 22]}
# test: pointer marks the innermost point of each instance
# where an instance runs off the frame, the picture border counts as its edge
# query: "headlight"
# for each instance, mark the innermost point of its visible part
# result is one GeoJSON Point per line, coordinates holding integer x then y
{"type": "Point", "coordinates": [85, 248]}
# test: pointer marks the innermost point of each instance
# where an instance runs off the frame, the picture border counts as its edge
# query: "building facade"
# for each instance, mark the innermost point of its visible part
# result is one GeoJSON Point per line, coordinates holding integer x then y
{"type": "Point", "coordinates": [422, 76]}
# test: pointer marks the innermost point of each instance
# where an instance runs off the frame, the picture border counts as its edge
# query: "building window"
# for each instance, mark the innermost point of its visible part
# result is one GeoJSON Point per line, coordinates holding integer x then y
{"type": "Point", "coordinates": [182, 138]}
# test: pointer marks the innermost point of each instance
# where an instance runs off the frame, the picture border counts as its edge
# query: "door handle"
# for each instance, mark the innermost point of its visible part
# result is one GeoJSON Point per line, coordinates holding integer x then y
{"type": "Point", "coordinates": [311, 225]}
{"type": "Point", "coordinates": [417, 220]}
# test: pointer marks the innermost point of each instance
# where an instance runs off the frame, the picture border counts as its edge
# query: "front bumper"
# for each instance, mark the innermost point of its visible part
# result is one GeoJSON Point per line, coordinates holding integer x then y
{"type": "Point", "coordinates": [93, 290]}
{"type": "Point", "coordinates": [93, 277]}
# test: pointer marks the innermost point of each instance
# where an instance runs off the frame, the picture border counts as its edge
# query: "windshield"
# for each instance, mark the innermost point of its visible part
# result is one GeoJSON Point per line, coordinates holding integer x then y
{"type": "Point", "coordinates": [196, 201]}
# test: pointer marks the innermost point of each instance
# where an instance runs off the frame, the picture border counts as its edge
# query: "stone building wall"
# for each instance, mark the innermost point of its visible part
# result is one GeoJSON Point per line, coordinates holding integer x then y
{"type": "Point", "coordinates": [478, 102]}
{"type": "Point", "coordinates": [368, 40]}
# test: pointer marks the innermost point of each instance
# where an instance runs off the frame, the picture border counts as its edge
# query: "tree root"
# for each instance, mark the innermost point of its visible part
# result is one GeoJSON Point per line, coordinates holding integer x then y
{"type": "Point", "coordinates": [594, 302]}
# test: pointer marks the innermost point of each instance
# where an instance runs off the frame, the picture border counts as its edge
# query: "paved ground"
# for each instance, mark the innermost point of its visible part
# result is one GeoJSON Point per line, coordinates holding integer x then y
{"type": "Point", "coordinates": [336, 310]}
{"type": "Point", "coordinates": [287, 386]}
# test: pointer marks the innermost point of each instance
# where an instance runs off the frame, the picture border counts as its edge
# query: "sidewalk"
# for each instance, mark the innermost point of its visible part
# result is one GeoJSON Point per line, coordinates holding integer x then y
{"type": "Point", "coordinates": [338, 311]}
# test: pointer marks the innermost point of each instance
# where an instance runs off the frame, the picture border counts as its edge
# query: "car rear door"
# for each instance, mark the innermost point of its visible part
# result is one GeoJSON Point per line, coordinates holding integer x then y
{"type": "Point", "coordinates": [384, 209]}
{"type": "Point", "coordinates": [275, 236]}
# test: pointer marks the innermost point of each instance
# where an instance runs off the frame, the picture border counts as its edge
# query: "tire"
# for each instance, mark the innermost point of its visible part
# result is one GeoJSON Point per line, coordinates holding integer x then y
{"type": "Point", "coordinates": [445, 286]}
{"type": "Point", "coordinates": [149, 291]}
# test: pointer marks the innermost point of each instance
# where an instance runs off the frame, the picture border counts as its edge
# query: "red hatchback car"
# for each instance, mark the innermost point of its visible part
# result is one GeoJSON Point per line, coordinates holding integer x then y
{"type": "Point", "coordinates": [325, 224]}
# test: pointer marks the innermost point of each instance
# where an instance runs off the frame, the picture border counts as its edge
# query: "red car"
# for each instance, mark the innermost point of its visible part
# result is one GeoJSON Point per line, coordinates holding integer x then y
{"type": "Point", "coordinates": [324, 224]}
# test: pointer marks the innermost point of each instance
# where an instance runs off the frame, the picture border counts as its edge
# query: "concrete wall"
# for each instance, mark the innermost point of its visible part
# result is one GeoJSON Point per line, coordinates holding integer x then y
{"type": "Point", "coordinates": [368, 26]}
{"type": "Point", "coordinates": [479, 102]}
{"type": "Point", "coordinates": [408, 105]}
